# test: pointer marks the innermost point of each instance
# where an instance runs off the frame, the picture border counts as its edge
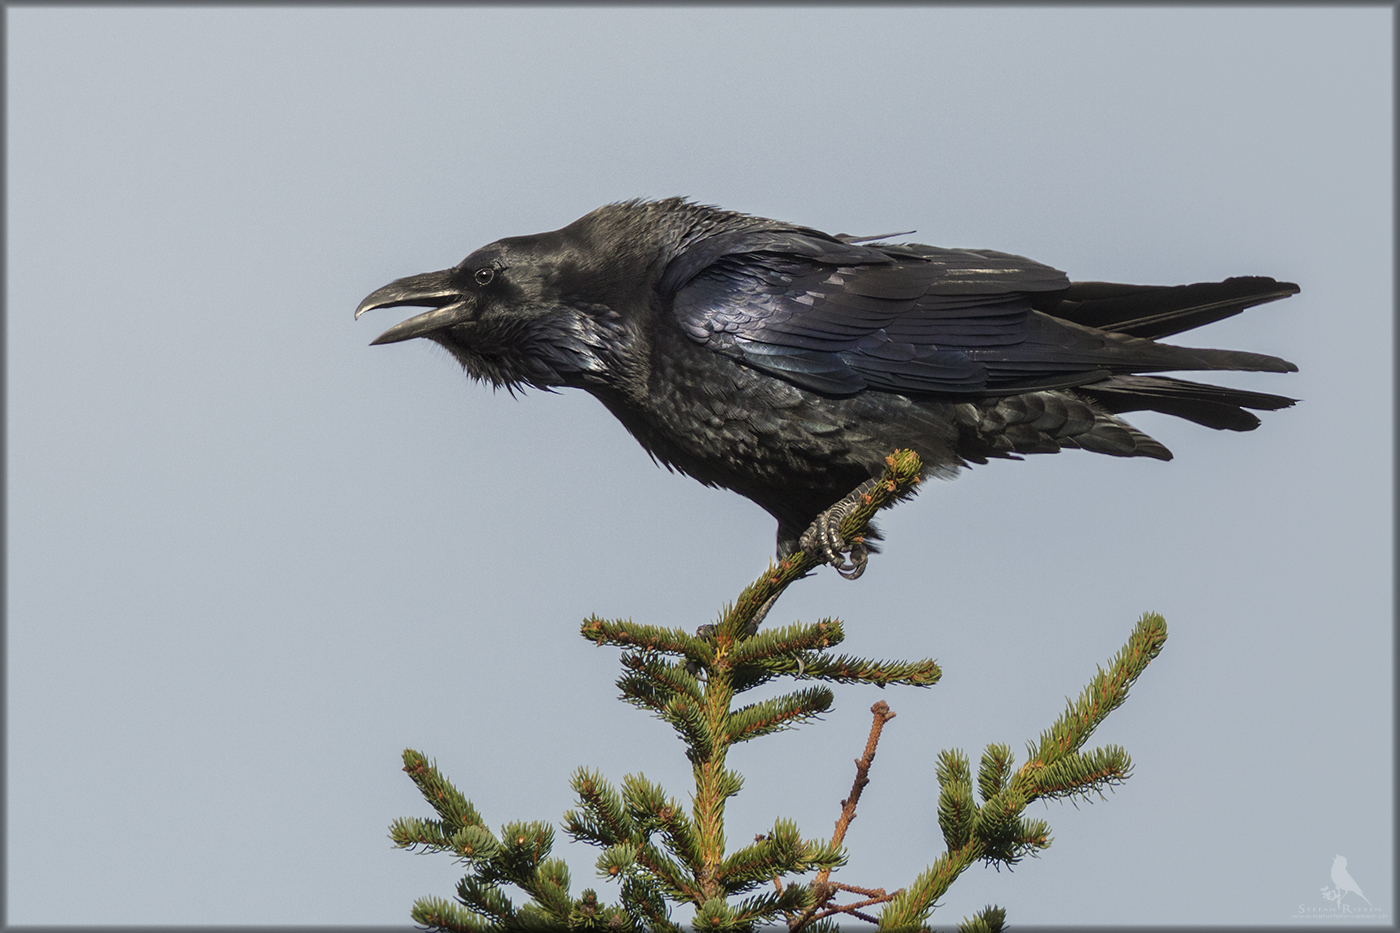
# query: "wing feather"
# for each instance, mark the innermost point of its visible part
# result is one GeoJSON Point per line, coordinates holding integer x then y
{"type": "Point", "coordinates": [839, 317]}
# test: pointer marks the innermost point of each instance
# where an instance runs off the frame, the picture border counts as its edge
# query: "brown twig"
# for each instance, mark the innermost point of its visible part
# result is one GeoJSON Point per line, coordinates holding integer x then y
{"type": "Point", "coordinates": [873, 897]}
{"type": "Point", "coordinates": [875, 893]}
{"type": "Point", "coordinates": [851, 909]}
{"type": "Point", "coordinates": [882, 714]}
{"type": "Point", "coordinates": [826, 890]}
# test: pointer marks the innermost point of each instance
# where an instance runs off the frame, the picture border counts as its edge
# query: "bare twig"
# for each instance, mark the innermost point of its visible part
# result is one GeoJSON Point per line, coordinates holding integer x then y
{"type": "Point", "coordinates": [882, 714]}
{"type": "Point", "coordinates": [875, 893]}
{"type": "Point", "coordinates": [873, 896]}
{"type": "Point", "coordinates": [825, 889]}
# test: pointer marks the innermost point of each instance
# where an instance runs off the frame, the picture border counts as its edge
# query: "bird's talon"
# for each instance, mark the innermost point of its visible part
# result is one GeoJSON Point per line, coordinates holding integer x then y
{"type": "Point", "coordinates": [823, 538]}
{"type": "Point", "coordinates": [855, 566]}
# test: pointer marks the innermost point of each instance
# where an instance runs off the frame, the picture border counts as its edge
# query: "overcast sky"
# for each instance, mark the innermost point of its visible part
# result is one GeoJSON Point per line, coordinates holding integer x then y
{"type": "Point", "coordinates": [251, 558]}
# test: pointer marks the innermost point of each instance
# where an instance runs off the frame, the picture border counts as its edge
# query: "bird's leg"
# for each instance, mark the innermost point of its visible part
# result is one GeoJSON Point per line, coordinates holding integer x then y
{"type": "Point", "coordinates": [823, 537]}
{"type": "Point", "coordinates": [708, 629]}
{"type": "Point", "coordinates": [752, 628]}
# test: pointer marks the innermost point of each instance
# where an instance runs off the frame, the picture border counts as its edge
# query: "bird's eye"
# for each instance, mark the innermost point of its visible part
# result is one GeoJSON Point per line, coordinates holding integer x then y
{"type": "Point", "coordinates": [484, 276]}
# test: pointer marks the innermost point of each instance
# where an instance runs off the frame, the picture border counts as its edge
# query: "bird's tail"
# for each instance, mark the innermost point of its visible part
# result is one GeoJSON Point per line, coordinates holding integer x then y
{"type": "Point", "coordinates": [1149, 312]}
{"type": "Point", "coordinates": [1155, 311]}
{"type": "Point", "coordinates": [1213, 406]}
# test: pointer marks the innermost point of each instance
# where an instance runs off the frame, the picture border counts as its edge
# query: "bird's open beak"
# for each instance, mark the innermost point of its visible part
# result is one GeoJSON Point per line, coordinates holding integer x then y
{"type": "Point", "coordinates": [431, 289]}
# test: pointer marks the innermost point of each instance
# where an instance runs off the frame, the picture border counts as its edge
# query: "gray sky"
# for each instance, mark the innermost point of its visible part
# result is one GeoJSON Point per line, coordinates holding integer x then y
{"type": "Point", "coordinates": [251, 558]}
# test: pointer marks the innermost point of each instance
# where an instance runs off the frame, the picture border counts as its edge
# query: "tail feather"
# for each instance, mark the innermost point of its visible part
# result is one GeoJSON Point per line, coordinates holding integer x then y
{"type": "Point", "coordinates": [1212, 406]}
{"type": "Point", "coordinates": [1101, 338]}
{"type": "Point", "coordinates": [1054, 344]}
{"type": "Point", "coordinates": [1155, 311]}
{"type": "Point", "coordinates": [1233, 360]}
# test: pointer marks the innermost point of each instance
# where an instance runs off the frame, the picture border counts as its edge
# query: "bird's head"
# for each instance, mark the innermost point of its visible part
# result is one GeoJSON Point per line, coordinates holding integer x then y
{"type": "Point", "coordinates": [522, 311]}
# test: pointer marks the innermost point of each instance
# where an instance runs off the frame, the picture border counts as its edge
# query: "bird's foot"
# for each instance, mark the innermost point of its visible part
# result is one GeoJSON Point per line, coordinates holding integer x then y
{"type": "Point", "coordinates": [823, 538]}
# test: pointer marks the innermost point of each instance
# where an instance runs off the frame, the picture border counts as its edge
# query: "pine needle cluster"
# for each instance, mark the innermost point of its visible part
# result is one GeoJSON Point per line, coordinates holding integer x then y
{"type": "Point", "coordinates": [662, 852]}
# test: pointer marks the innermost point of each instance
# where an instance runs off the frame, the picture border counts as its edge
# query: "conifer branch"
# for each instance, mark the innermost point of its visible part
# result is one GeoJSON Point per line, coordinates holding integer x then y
{"type": "Point", "coordinates": [848, 670]}
{"type": "Point", "coordinates": [659, 874]}
{"type": "Point", "coordinates": [987, 920]}
{"type": "Point", "coordinates": [789, 640]}
{"type": "Point", "coordinates": [548, 884]}
{"type": "Point", "coordinates": [644, 902]}
{"type": "Point", "coordinates": [997, 831]}
{"type": "Point", "coordinates": [438, 914]}
{"type": "Point", "coordinates": [653, 811]}
{"type": "Point", "coordinates": [780, 851]}
{"type": "Point", "coordinates": [647, 804]}
{"type": "Point", "coordinates": [523, 848]}
{"type": "Point", "coordinates": [661, 853]}
{"type": "Point", "coordinates": [995, 770]}
{"type": "Point", "coordinates": [1105, 693]}
{"type": "Point", "coordinates": [908, 908]}
{"type": "Point", "coordinates": [1082, 773]}
{"type": "Point", "coordinates": [624, 633]}
{"type": "Point", "coordinates": [679, 879]}
{"type": "Point", "coordinates": [411, 832]}
{"type": "Point", "coordinates": [782, 712]}
{"type": "Point", "coordinates": [665, 677]}
{"type": "Point", "coordinates": [689, 719]}
{"type": "Point", "coordinates": [486, 899]}
{"type": "Point", "coordinates": [956, 808]}
{"type": "Point", "coordinates": [603, 821]}
{"type": "Point", "coordinates": [455, 809]}
{"type": "Point", "coordinates": [588, 914]}
{"type": "Point", "coordinates": [766, 907]}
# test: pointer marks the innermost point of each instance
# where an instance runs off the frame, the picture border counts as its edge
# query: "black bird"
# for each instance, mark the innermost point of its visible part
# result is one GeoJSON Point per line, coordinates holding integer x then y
{"type": "Point", "coordinates": [785, 363]}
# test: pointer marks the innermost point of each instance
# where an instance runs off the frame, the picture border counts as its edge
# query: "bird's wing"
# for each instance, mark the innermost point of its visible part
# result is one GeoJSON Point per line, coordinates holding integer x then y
{"type": "Point", "coordinates": [839, 317]}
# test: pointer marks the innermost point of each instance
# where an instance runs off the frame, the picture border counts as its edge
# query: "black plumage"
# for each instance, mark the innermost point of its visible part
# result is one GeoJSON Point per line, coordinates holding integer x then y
{"type": "Point", "coordinates": [785, 363]}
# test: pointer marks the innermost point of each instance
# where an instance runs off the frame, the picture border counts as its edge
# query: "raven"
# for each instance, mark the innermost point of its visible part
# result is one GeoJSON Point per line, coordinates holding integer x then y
{"type": "Point", "coordinates": [785, 363]}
